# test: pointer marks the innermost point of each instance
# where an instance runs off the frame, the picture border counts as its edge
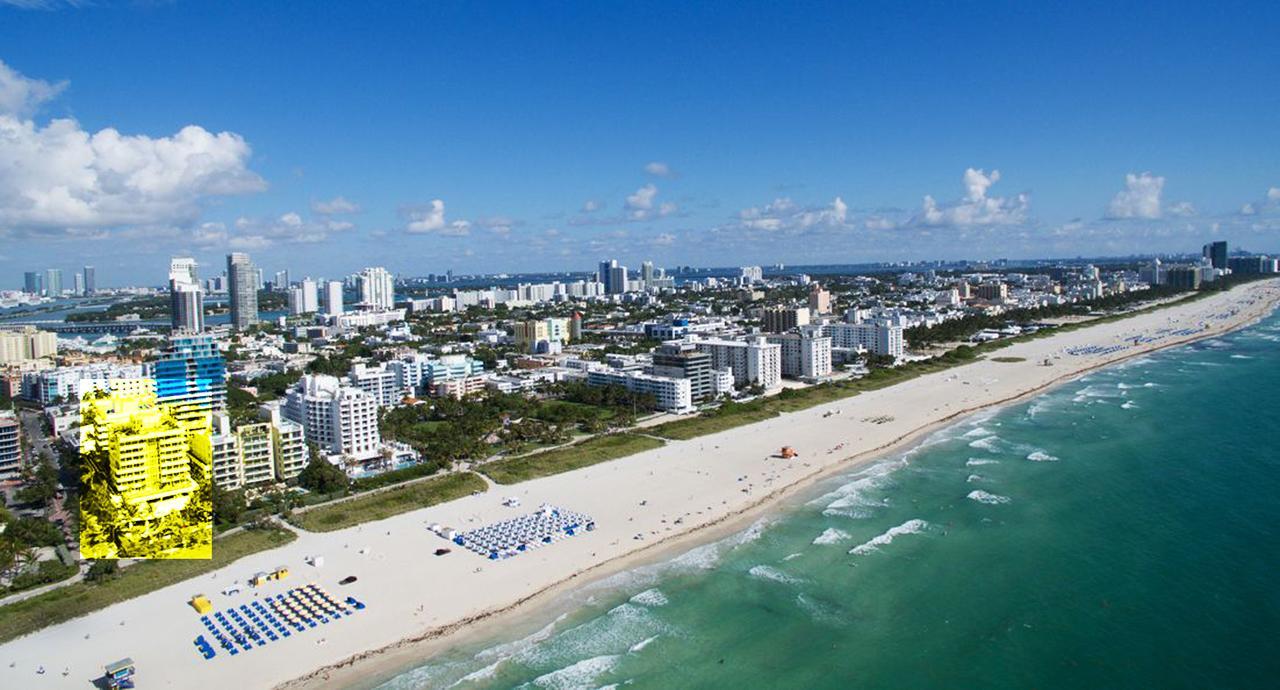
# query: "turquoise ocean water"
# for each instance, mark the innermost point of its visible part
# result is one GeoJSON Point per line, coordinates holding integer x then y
{"type": "Point", "coordinates": [1121, 531]}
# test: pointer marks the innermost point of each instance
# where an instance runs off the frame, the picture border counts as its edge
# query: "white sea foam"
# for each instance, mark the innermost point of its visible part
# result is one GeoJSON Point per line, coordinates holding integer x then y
{"type": "Point", "coordinates": [988, 443]}
{"type": "Point", "coordinates": [579, 675]}
{"type": "Point", "coordinates": [1128, 405]}
{"type": "Point", "coordinates": [1241, 357]}
{"type": "Point", "coordinates": [914, 526]}
{"type": "Point", "coordinates": [650, 597]}
{"type": "Point", "coordinates": [639, 646]}
{"type": "Point", "coordinates": [984, 497]}
{"type": "Point", "coordinates": [831, 535]}
{"type": "Point", "coordinates": [1041, 456]}
{"type": "Point", "coordinates": [480, 674]}
{"type": "Point", "coordinates": [977, 462]}
{"type": "Point", "coordinates": [792, 556]}
{"type": "Point", "coordinates": [768, 572]}
{"type": "Point", "coordinates": [974, 478]}
{"type": "Point", "coordinates": [976, 432]}
{"type": "Point", "coordinates": [511, 648]}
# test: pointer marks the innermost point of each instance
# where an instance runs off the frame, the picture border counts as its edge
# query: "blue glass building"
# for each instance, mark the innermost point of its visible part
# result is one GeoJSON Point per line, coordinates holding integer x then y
{"type": "Point", "coordinates": [191, 372]}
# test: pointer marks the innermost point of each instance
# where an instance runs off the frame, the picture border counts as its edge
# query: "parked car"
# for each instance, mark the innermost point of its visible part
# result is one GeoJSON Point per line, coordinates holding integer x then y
{"type": "Point", "coordinates": [347, 580]}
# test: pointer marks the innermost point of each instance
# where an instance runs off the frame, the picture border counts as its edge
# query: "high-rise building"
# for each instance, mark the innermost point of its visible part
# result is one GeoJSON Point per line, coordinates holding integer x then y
{"type": "Point", "coordinates": [242, 292]}
{"type": "Point", "coordinates": [186, 299]}
{"type": "Point", "coordinates": [304, 299]}
{"type": "Point", "coordinates": [1216, 253]}
{"type": "Point", "coordinates": [1185, 277]}
{"type": "Point", "coordinates": [78, 282]}
{"type": "Point", "coordinates": [752, 361]}
{"type": "Point", "coordinates": [604, 272]}
{"type": "Point", "coordinates": [271, 450]}
{"type": "Point", "coordinates": [877, 339]}
{"type": "Point", "coordinates": [333, 298]}
{"type": "Point", "coordinates": [32, 283]}
{"type": "Point", "coordinates": [310, 296]}
{"type": "Point", "coordinates": [10, 445]}
{"type": "Point", "coordinates": [341, 419]}
{"type": "Point", "coordinates": [646, 273]}
{"type": "Point", "coordinates": [377, 288]}
{"type": "Point", "coordinates": [617, 280]}
{"type": "Point", "coordinates": [751, 274]}
{"type": "Point", "coordinates": [819, 300]}
{"type": "Point", "coordinates": [53, 282]}
{"type": "Point", "coordinates": [805, 355]}
{"type": "Point", "coordinates": [190, 375]}
{"type": "Point", "coordinates": [281, 281]}
{"type": "Point", "coordinates": [575, 327]}
{"type": "Point", "coordinates": [783, 319]}
{"type": "Point", "coordinates": [153, 464]}
{"type": "Point", "coordinates": [26, 344]}
{"type": "Point", "coordinates": [681, 359]}
{"type": "Point", "coordinates": [90, 281]}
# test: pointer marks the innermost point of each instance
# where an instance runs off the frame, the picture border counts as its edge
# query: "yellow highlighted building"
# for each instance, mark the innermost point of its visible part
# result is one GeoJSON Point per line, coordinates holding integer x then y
{"type": "Point", "coordinates": [146, 476]}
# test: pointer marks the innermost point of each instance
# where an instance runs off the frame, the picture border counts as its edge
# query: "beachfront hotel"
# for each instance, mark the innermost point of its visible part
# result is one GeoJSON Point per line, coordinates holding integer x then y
{"type": "Point", "coordinates": [273, 450]}
{"type": "Point", "coordinates": [147, 467]}
{"type": "Point", "coordinates": [190, 374]}
{"type": "Point", "coordinates": [340, 418]}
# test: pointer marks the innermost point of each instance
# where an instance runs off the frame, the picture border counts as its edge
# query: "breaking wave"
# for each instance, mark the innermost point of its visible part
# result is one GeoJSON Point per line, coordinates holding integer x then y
{"type": "Point", "coordinates": [989, 498]}
{"type": "Point", "coordinates": [914, 526]}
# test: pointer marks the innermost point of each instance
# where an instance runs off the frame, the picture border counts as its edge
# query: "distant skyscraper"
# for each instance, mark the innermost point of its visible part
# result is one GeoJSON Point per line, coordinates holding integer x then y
{"type": "Point", "coordinates": [646, 272]}
{"type": "Point", "coordinates": [1216, 253]}
{"type": "Point", "coordinates": [90, 281]}
{"type": "Point", "coordinates": [186, 299]}
{"type": "Point", "coordinates": [333, 298]}
{"type": "Point", "coordinates": [303, 299]}
{"type": "Point", "coordinates": [242, 290]}
{"type": "Point", "coordinates": [617, 280]}
{"type": "Point", "coordinates": [377, 289]}
{"type": "Point", "coordinates": [53, 282]}
{"type": "Point", "coordinates": [281, 281]}
{"type": "Point", "coordinates": [310, 296]}
{"type": "Point", "coordinates": [32, 282]}
{"type": "Point", "coordinates": [78, 280]}
{"type": "Point", "coordinates": [602, 274]}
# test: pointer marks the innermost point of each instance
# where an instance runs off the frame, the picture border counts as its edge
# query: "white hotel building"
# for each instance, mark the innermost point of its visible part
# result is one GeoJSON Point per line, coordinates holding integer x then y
{"type": "Point", "coordinates": [672, 394]}
{"type": "Point", "coordinates": [341, 419]}
{"type": "Point", "coordinates": [874, 338]}
{"type": "Point", "coordinates": [753, 361]}
{"type": "Point", "coordinates": [805, 355]}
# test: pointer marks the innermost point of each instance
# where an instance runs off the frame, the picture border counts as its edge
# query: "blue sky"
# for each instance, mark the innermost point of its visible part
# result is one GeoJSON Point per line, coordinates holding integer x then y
{"type": "Point", "coordinates": [322, 137]}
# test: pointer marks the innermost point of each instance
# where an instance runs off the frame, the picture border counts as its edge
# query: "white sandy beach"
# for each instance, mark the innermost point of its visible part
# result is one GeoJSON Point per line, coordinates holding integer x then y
{"type": "Point", "coordinates": [413, 595]}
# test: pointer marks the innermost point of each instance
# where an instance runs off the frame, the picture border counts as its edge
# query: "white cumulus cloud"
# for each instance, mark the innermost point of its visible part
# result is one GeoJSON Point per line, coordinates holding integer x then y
{"type": "Point", "coordinates": [334, 207]}
{"type": "Point", "coordinates": [977, 208]}
{"type": "Point", "coordinates": [1140, 197]}
{"type": "Point", "coordinates": [56, 176]}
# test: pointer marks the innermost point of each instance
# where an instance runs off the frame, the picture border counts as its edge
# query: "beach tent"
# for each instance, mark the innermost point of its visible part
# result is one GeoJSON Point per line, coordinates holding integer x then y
{"type": "Point", "coordinates": [201, 604]}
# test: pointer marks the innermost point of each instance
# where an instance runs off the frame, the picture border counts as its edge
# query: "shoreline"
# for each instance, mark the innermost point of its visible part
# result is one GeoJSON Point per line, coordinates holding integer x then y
{"type": "Point", "coordinates": [648, 507]}
{"type": "Point", "coordinates": [375, 667]}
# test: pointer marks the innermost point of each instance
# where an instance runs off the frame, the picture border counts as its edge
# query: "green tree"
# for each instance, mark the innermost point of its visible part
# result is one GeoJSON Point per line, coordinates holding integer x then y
{"type": "Point", "coordinates": [322, 476]}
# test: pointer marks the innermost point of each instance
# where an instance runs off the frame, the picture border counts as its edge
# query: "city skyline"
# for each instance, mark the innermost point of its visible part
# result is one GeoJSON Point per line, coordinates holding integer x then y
{"type": "Point", "coordinates": [555, 150]}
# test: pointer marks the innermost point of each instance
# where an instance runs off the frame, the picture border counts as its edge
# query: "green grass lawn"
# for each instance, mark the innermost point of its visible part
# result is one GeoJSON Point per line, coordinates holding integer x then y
{"type": "Point", "coordinates": [384, 504]}
{"type": "Point", "coordinates": [1008, 360]}
{"type": "Point", "coordinates": [589, 452]}
{"type": "Point", "coordinates": [73, 601]}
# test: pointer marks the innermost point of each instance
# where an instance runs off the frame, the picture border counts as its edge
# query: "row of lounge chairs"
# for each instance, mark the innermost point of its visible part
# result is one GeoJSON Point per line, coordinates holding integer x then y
{"type": "Point", "coordinates": [256, 624]}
